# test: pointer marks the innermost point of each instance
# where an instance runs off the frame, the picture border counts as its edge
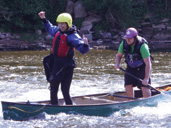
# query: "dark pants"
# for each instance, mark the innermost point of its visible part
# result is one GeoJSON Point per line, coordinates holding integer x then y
{"type": "Point", "coordinates": [62, 73]}
{"type": "Point", "coordinates": [138, 72]}
{"type": "Point", "coordinates": [65, 82]}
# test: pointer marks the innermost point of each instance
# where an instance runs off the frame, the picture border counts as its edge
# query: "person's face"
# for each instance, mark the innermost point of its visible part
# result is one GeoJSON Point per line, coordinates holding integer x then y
{"type": "Point", "coordinates": [63, 26]}
{"type": "Point", "coordinates": [130, 41]}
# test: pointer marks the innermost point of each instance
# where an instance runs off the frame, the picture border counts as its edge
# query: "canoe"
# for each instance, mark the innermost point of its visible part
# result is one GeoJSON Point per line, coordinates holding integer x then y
{"type": "Point", "coordinates": [104, 104]}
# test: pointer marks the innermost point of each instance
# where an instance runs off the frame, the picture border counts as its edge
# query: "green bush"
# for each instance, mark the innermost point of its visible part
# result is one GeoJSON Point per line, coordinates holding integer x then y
{"type": "Point", "coordinates": [129, 12]}
{"type": "Point", "coordinates": [21, 15]}
{"type": "Point", "coordinates": [160, 9]}
{"type": "Point", "coordinates": [78, 22]}
{"type": "Point", "coordinates": [126, 12]}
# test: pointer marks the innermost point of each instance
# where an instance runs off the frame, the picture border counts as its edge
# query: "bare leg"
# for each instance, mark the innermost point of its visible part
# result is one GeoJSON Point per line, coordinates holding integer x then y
{"type": "Point", "coordinates": [129, 90]}
{"type": "Point", "coordinates": [146, 92]}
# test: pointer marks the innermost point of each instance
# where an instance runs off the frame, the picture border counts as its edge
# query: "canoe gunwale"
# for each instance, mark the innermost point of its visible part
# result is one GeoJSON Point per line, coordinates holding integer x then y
{"type": "Point", "coordinates": [81, 105]}
{"type": "Point", "coordinates": [98, 109]}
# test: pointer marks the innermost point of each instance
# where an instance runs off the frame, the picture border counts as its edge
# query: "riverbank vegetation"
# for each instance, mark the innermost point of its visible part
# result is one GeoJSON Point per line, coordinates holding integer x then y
{"type": "Point", "coordinates": [20, 16]}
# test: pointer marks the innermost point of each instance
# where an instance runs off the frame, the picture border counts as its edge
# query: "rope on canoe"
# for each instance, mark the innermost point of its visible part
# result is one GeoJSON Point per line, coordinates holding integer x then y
{"type": "Point", "coordinates": [12, 107]}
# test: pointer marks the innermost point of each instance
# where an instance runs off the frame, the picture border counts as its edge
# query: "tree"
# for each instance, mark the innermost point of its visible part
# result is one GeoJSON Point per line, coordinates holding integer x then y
{"type": "Point", "coordinates": [21, 15]}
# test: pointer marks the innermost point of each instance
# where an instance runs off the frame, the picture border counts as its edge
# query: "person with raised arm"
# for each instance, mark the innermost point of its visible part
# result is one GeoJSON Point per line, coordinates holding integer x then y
{"type": "Point", "coordinates": [65, 41]}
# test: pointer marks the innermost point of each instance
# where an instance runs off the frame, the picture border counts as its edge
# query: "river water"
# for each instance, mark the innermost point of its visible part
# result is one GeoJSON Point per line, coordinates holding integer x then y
{"type": "Point", "coordinates": [22, 78]}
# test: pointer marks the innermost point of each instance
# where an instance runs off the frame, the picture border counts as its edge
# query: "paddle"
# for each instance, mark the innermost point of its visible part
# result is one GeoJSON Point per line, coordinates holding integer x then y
{"type": "Point", "coordinates": [138, 79]}
{"type": "Point", "coordinates": [114, 95]}
{"type": "Point", "coordinates": [122, 96]}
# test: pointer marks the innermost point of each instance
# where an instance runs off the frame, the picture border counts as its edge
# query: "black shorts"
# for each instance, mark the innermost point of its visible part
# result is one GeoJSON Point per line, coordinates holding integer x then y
{"type": "Point", "coordinates": [139, 73]}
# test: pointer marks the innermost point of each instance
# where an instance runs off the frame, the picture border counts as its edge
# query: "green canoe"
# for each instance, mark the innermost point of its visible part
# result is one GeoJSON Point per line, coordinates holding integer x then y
{"type": "Point", "coordinates": [103, 104]}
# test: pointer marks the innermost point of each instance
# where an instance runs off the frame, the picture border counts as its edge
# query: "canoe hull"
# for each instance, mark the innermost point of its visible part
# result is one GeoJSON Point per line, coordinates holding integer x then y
{"type": "Point", "coordinates": [23, 111]}
{"type": "Point", "coordinates": [15, 114]}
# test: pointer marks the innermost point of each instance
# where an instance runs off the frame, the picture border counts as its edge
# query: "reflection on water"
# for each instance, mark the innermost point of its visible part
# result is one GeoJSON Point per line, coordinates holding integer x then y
{"type": "Point", "coordinates": [22, 78]}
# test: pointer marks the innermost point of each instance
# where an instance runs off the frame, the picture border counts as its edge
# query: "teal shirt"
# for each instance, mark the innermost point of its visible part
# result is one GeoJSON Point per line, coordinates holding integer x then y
{"type": "Point", "coordinates": [144, 50]}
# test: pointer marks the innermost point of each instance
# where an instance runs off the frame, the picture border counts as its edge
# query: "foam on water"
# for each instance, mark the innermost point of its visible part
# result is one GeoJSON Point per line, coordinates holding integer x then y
{"type": "Point", "coordinates": [22, 78]}
{"type": "Point", "coordinates": [143, 116]}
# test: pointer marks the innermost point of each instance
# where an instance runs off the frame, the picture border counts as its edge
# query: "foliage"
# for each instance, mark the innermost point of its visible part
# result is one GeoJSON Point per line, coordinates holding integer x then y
{"type": "Point", "coordinates": [160, 9]}
{"type": "Point", "coordinates": [124, 11]}
{"type": "Point", "coordinates": [96, 27]}
{"type": "Point", "coordinates": [129, 12]}
{"type": "Point", "coordinates": [78, 22]}
{"type": "Point", "coordinates": [21, 15]}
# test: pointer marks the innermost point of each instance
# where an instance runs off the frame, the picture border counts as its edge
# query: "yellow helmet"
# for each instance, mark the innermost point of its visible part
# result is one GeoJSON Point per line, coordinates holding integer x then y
{"type": "Point", "coordinates": [65, 17]}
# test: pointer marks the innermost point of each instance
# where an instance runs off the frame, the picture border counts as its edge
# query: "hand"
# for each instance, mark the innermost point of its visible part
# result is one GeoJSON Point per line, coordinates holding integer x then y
{"type": "Point", "coordinates": [145, 82]}
{"type": "Point", "coordinates": [117, 66]}
{"type": "Point", "coordinates": [42, 14]}
{"type": "Point", "coordinates": [85, 40]}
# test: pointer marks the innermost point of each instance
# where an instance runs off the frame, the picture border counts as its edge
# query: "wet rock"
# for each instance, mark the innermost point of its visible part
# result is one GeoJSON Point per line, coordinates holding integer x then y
{"type": "Point", "coordinates": [107, 35]}
{"type": "Point", "coordinates": [160, 26]}
{"type": "Point", "coordinates": [89, 37]}
{"type": "Point", "coordinates": [48, 37]}
{"type": "Point", "coordinates": [86, 25]}
{"type": "Point", "coordinates": [160, 45]}
{"type": "Point", "coordinates": [69, 7]}
{"type": "Point", "coordinates": [2, 36]}
{"type": "Point", "coordinates": [168, 27]}
{"type": "Point", "coordinates": [147, 32]}
{"type": "Point", "coordinates": [39, 32]}
{"type": "Point", "coordinates": [79, 10]}
{"type": "Point", "coordinates": [162, 36]}
{"type": "Point", "coordinates": [100, 41]}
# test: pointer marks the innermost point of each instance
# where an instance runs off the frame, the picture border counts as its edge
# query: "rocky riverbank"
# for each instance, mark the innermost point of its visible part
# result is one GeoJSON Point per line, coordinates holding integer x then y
{"type": "Point", "coordinates": [157, 35]}
{"type": "Point", "coordinates": [9, 42]}
{"type": "Point", "coordinates": [18, 45]}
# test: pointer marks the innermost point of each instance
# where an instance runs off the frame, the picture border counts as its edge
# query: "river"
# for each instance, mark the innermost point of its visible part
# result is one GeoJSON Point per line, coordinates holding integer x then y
{"type": "Point", "coordinates": [22, 78]}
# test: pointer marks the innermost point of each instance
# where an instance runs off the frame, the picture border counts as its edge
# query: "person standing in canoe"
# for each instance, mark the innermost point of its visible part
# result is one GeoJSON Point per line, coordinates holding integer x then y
{"type": "Point", "coordinates": [66, 40]}
{"type": "Point", "coordinates": [138, 60]}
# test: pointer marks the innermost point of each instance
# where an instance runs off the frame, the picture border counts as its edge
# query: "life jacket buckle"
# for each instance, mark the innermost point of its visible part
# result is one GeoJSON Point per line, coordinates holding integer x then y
{"type": "Point", "coordinates": [131, 58]}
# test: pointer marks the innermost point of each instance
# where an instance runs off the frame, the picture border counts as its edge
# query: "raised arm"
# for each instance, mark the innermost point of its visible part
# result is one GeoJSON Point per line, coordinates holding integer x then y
{"type": "Point", "coordinates": [47, 25]}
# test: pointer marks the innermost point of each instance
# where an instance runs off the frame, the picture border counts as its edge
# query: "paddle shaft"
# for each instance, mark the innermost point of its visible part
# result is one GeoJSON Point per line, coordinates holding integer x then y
{"type": "Point", "coordinates": [138, 79]}
{"type": "Point", "coordinates": [122, 96]}
{"type": "Point", "coordinates": [114, 95]}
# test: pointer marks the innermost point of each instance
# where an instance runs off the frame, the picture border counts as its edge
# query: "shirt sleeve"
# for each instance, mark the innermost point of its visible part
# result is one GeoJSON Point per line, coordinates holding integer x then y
{"type": "Point", "coordinates": [51, 29]}
{"type": "Point", "coordinates": [77, 42]}
{"type": "Point", "coordinates": [120, 50]}
{"type": "Point", "coordinates": [144, 50]}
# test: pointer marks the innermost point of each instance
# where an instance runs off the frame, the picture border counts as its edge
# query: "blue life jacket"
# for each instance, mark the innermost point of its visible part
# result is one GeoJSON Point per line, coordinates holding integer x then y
{"type": "Point", "coordinates": [134, 60]}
